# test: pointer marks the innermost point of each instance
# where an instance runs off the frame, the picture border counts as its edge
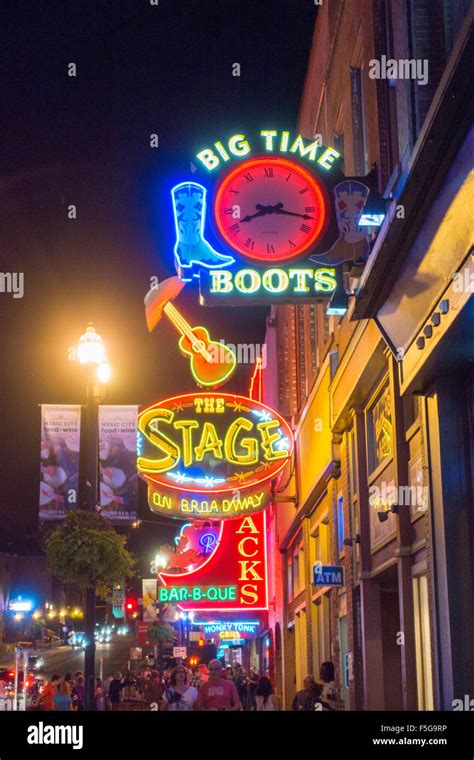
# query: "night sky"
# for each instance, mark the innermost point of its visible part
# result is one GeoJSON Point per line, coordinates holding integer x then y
{"type": "Point", "coordinates": [141, 69]}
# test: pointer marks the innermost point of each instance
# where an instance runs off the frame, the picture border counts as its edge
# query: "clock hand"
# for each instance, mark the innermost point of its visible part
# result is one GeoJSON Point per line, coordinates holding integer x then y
{"type": "Point", "coordinates": [279, 210]}
{"type": "Point", "coordinates": [262, 211]}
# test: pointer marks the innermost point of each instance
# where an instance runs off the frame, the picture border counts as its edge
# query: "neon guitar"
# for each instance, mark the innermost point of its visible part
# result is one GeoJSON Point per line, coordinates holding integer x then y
{"type": "Point", "coordinates": [212, 363]}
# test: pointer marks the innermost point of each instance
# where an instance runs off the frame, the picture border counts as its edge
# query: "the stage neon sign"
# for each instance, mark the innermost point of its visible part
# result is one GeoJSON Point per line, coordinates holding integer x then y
{"type": "Point", "coordinates": [210, 455]}
{"type": "Point", "coordinates": [234, 577]}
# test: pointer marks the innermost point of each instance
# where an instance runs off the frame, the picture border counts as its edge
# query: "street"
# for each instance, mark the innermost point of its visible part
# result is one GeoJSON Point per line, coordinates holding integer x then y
{"type": "Point", "coordinates": [64, 659]}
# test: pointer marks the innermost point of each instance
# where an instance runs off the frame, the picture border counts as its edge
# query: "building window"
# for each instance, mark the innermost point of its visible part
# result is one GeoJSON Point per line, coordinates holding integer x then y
{"type": "Point", "coordinates": [380, 430]}
{"type": "Point", "coordinates": [386, 93]}
{"type": "Point", "coordinates": [302, 374]}
{"type": "Point", "coordinates": [338, 143]}
{"type": "Point", "coordinates": [340, 525]}
{"type": "Point", "coordinates": [289, 579]}
{"type": "Point", "coordinates": [298, 571]}
{"type": "Point", "coordinates": [320, 631]}
{"type": "Point", "coordinates": [424, 675]}
{"type": "Point", "coordinates": [301, 648]}
{"type": "Point", "coordinates": [358, 122]}
{"type": "Point", "coordinates": [313, 339]}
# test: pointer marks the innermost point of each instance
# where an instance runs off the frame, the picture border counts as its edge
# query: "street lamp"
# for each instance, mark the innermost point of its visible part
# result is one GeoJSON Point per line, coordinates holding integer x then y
{"type": "Point", "coordinates": [91, 355]}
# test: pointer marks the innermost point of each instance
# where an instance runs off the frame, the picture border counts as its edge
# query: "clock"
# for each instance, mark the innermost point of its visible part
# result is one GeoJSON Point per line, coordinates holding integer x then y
{"type": "Point", "coordinates": [270, 210]}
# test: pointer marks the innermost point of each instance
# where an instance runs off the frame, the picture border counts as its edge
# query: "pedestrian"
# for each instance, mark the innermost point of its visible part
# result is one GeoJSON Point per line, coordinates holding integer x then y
{"type": "Point", "coordinates": [196, 679]}
{"type": "Point", "coordinates": [328, 697]}
{"type": "Point", "coordinates": [62, 698]}
{"type": "Point", "coordinates": [116, 691]}
{"type": "Point", "coordinates": [252, 686]}
{"type": "Point", "coordinates": [240, 681]}
{"type": "Point", "coordinates": [78, 693]}
{"type": "Point", "coordinates": [70, 682]}
{"type": "Point", "coordinates": [131, 689]}
{"type": "Point", "coordinates": [100, 700]}
{"type": "Point", "coordinates": [154, 688]}
{"type": "Point", "coordinates": [179, 695]}
{"type": "Point", "coordinates": [217, 694]}
{"type": "Point", "coordinates": [265, 699]}
{"type": "Point", "coordinates": [307, 698]}
{"type": "Point", "coordinates": [45, 700]}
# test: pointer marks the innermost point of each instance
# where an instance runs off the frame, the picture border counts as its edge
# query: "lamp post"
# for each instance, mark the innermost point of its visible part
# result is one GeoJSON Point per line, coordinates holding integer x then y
{"type": "Point", "coordinates": [91, 356]}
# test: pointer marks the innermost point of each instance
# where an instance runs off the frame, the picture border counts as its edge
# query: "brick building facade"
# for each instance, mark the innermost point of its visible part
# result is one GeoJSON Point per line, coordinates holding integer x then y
{"type": "Point", "coordinates": [368, 393]}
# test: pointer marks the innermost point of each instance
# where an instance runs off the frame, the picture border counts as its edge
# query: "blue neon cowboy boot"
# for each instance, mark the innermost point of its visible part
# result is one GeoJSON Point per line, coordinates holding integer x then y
{"type": "Point", "coordinates": [192, 251]}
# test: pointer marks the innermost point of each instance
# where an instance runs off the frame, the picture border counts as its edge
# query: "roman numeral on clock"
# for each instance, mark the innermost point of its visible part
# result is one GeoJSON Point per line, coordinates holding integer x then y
{"type": "Point", "coordinates": [269, 172]}
{"type": "Point", "coordinates": [236, 192]}
{"type": "Point", "coordinates": [234, 228]}
{"type": "Point", "coordinates": [305, 228]}
{"type": "Point", "coordinates": [249, 243]}
{"type": "Point", "coordinates": [248, 177]}
{"type": "Point", "coordinates": [228, 210]}
{"type": "Point", "coordinates": [270, 248]}
{"type": "Point", "coordinates": [304, 190]}
{"type": "Point", "coordinates": [310, 209]}
{"type": "Point", "coordinates": [291, 244]}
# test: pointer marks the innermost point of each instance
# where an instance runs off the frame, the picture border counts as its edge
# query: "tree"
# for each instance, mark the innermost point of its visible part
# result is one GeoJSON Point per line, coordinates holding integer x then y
{"type": "Point", "coordinates": [86, 552]}
{"type": "Point", "coordinates": [160, 633]}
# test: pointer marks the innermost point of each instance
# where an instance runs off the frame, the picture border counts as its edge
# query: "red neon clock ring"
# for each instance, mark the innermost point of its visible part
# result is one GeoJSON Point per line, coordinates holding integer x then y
{"type": "Point", "coordinates": [270, 210]}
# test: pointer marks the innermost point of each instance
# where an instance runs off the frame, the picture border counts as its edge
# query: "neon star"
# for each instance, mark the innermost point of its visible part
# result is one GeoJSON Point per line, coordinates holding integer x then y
{"type": "Point", "coordinates": [264, 415]}
{"type": "Point", "coordinates": [238, 406]}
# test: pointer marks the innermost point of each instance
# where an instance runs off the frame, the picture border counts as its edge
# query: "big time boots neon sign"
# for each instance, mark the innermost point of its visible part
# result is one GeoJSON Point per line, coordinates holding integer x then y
{"type": "Point", "coordinates": [211, 455]}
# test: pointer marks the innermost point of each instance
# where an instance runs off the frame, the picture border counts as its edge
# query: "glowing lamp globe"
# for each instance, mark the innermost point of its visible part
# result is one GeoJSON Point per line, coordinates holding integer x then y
{"type": "Point", "coordinates": [91, 349]}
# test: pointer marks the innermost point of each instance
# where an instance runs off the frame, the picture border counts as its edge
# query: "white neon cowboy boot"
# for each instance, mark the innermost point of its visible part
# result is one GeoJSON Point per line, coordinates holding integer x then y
{"type": "Point", "coordinates": [192, 251]}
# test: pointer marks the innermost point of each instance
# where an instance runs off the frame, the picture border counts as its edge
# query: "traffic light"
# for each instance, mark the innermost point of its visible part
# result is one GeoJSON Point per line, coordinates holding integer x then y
{"type": "Point", "coordinates": [193, 661]}
{"type": "Point", "coordinates": [131, 605]}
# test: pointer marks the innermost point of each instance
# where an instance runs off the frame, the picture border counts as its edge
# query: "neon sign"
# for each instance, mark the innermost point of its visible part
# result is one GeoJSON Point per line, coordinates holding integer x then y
{"type": "Point", "coordinates": [192, 251]}
{"type": "Point", "coordinates": [270, 141]}
{"type": "Point", "coordinates": [234, 577]}
{"type": "Point", "coordinates": [211, 455]}
{"type": "Point", "coordinates": [274, 285]}
{"type": "Point", "coordinates": [20, 605]}
{"type": "Point", "coordinates": [230, 629]}
{"type": "Point", "coordinates": [211, 363]}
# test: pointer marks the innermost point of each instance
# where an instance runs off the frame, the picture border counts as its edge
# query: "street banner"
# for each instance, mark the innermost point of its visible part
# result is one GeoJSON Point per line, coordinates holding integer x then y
{"type": "Point", "coordinates": [60, 444]}
{"type": "Point", "coordinates": [149, 599]}
{"type": "Point", "coordinates": [117, 463]}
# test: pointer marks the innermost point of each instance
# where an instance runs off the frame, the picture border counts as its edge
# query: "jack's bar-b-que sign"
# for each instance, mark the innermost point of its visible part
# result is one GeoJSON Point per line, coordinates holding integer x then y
{"type": "Point", "coordinates": [211, 455]}
{"type": "Point", "coordinates": [234, 577]}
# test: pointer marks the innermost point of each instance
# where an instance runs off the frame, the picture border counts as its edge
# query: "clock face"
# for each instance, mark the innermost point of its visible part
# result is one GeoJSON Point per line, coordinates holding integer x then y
{"type": "Point", "coordinates": [270, 210]}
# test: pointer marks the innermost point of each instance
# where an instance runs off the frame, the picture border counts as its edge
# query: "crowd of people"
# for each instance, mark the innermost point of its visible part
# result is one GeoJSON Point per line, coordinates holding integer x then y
{"type": "Point", "coordinates": [67, 694]}
{"type": "Point", "coordinates": [214, 687]}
